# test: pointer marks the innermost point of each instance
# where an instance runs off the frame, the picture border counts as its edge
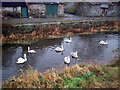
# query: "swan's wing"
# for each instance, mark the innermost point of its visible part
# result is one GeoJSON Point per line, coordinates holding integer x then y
{"type": "Point", "coordinates": [20, 60]}
{"type": "Point", "coordinates": [58, 49]}
{"type": "Point", "coordinates": [68, 60]}
{"type": "Point", "coordinates": [66, 40]}
{"type": "Point", "coordinates": [32, 50]}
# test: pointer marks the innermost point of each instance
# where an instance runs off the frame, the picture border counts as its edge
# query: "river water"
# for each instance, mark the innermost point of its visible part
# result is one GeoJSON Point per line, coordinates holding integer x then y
{"type": "Point", "coordinates": [88, 47]}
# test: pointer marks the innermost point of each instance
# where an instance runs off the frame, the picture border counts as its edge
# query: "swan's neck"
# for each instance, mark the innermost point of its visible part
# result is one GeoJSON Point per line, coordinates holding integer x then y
{"type": "Point", "coordinates": [62, 47]}
{"type": "Point", "coordinates": [25, 56]}
{"type": "Point", "coordinates": [105, 42]}
{"type": "Point", "coordinates": [28, 48]}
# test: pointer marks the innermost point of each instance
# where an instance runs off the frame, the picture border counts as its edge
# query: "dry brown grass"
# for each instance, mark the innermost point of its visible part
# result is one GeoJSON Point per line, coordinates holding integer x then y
{"type": "Point", "coordinates": [103, 76]}
{"type": "Point", "coordinates": [54, 31]}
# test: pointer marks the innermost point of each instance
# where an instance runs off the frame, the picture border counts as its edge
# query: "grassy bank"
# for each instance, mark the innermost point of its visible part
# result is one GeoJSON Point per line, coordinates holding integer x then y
{"type": "Point", "coordinates": [31, 34]}
{"type": "Point", "coordinates": [77, 76]}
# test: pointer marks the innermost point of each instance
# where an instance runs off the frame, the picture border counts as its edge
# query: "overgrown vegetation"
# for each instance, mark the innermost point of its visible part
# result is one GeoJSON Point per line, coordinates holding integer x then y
{"type": "Point", "coordinates": [77, 76]}
{"type": "Point", "coordinates": [10, 14]}
{"type": "Point", "coordinates": [29, 34]}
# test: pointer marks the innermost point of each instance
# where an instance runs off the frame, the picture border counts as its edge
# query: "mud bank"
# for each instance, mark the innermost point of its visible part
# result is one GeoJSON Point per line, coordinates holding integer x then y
{"type": "Point", "coordinates": [29, 33]}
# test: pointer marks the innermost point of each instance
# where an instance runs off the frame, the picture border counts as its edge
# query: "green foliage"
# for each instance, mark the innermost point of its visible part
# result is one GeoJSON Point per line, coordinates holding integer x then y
{"type": "Point", "coordinates": [82, 65]}
{"type": "Point", "coordinates": [79, 82]}
{"type": "Point", "coordinates": [40, 77]}
{"type": "Point", "coordinates": [66, 81]}
{"type": "Point", "coordinates": [57, 86]}
{"type": "Point", "coordinates": [65, 4]}
{"type": "Point", "coordinates": [34, 83]}
{"type": "Point", "coordinates": [116, 50]}
{"type": "Point", "coordinates": [108, 76]}
{"type": "Point", "coordinates": [89, 76]}
{"type": "Point", "coordinates": [76, 83]}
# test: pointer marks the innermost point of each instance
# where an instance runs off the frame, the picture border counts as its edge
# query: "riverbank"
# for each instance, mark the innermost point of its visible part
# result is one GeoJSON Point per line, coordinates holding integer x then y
{"type": "Point", "coordinates": [30, 33]}
{"type": "Point", "coordinates": [77, 76]}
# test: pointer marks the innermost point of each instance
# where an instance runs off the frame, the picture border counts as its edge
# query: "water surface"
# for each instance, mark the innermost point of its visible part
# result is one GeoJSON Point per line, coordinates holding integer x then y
{"type": "Point", "coordinates": [88, 47]}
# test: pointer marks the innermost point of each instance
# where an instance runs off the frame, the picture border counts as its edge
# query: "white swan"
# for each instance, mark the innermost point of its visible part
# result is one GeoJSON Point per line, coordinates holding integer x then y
{"type": "Point", "coordinates": [103, 42]}
{"type": "Point", "coordinates": [31, 51]}
{"type": "Point", "coordinates": [58, 49]}
{"type": "Point", "coordinates": [22, 60]}
{"type": "Point", "coordinates": [67, 60]}
{"type": "Point", "coordinates": [74, 54]}
{"type": "Point", "coordinates": [30, 17]}
{"type": "Point", "coordinates": [68, 40]}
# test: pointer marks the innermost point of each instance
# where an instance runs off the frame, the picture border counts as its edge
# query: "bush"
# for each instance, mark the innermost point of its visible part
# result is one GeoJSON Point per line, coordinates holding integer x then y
{"type": "Point", "coordinates": [11, 14]}
{"type": "Point", "coordinates": [6, 29]}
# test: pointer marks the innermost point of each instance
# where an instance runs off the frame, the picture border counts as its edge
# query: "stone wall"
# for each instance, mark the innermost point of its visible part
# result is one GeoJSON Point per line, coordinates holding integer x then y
{"type": "Point", "coordinates": [87, 9]}
{"type": "Point", "coordinates": [36, 10]}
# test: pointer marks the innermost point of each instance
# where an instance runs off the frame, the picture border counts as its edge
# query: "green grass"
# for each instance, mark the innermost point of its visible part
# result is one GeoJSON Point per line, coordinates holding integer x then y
{"type": "Point", "coordinates": [81, 81]}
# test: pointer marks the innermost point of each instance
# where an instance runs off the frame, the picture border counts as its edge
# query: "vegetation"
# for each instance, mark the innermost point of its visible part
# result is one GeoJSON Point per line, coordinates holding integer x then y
{"type": "Point", "coordinates": [10, 14]}
{"type": "Point", "coordinates": [77, 76]}
{"type": "Point", "coordinates": [116, 61]}
{"type": "Point", "coordinates": [28, 35]}
{"type": "Point", "coordinates": [65, 4]}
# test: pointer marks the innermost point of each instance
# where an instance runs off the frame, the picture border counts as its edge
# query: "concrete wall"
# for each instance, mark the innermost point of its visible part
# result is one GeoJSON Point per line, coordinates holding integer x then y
{"type": "Point", "coordinates": [87, 9]}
